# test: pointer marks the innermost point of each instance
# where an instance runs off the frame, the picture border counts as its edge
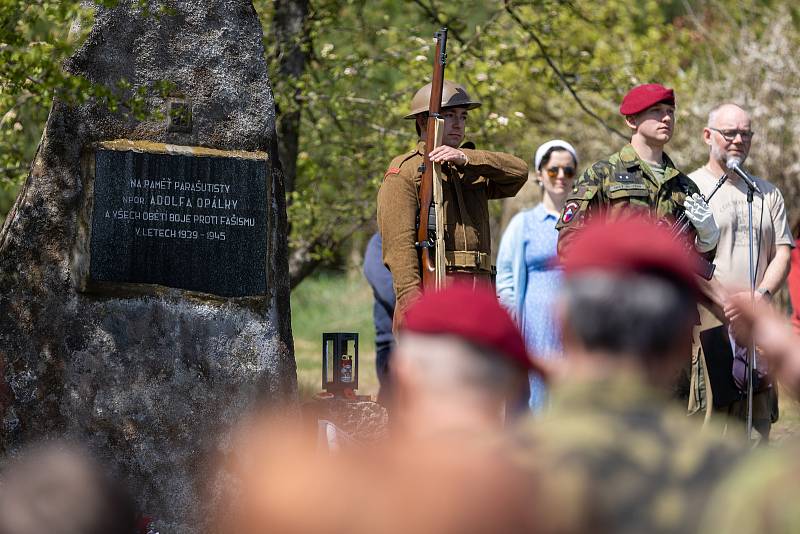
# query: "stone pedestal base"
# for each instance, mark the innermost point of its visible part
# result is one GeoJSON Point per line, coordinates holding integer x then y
{"type": "Point", "coordinates": [364, 421]}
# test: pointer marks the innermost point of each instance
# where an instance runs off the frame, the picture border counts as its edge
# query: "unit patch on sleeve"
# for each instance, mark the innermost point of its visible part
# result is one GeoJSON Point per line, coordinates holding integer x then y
{"type": "Point", "coordinates": [570, 210]}
{"type": "Point", "coordinates": [392, 170]}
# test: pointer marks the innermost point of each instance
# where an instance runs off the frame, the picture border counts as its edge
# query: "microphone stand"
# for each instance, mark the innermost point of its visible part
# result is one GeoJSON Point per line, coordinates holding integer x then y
{"type": "Point", "coordinates": [751, 349]}
{"type": "Point", "coordinates": [733, 164]}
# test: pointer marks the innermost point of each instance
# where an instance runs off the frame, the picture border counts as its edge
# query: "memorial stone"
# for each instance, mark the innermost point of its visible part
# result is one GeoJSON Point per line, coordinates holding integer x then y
{"type": "Point", "coordinates": [144, 289]}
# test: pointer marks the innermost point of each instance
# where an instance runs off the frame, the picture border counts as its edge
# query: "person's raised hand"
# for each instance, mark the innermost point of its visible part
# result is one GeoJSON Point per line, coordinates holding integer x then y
{"type": "Point", "coordinates": [733, 309]}
{"type": "Point", "coordinates": [773, 335]}
{"type": "Point", "coordinates": [448, 154]}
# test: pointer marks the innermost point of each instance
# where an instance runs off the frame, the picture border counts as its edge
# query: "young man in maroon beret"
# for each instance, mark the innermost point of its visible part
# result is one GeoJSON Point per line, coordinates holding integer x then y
{"type": "Point", "coordinates": [640, 179]}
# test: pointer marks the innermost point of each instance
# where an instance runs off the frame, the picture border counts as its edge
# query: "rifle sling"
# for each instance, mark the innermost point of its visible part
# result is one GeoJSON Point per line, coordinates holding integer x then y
{"type": "Point", "coordinates": [455, 183]}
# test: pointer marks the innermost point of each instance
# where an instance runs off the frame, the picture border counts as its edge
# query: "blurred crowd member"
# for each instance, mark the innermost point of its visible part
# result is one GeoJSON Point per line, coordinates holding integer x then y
{"type": "Point", "coordinates": [449, 469]}
{"type": "Point", "coordinates": [761, 494]}
{"type": "Point", "coordinates": [278, 481]}
{"type": "Point", "coordinates": [528, 277]}
{"type": "Point", "coordinates": [729, 135]}
{"type": "Point", "coordinates": [57, 489]}
{"type": "Point", "coordinates": [470, 177]}
{"type": "Point", "coordinates": [627, 308]}
{"type": "Point", "coordinates": [380, 279]}
{"type": "Point", "coordinates": [640, 178]}
{"type": "Point", "coordinates": [794, 280]}
{"type": "Point", "coordinates": [459, 361]}
{"type": "Point", "coordinates": [759, 497]}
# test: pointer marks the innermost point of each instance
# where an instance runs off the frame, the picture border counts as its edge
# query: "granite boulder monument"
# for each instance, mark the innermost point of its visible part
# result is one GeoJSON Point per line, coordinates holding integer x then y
{"type": "Point", "coordinates": [144, 289]}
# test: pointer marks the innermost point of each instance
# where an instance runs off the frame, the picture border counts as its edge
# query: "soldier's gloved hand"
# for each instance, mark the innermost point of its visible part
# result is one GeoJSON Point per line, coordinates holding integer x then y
{"type": "Point", "coordinates": [699, 214]}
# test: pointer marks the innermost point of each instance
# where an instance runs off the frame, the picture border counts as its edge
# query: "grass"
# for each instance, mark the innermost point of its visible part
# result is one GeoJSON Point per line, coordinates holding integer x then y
{"type": "Point", "coordinates": [332, 302]}
{"type": "Point", "coordinates": [341, 302]}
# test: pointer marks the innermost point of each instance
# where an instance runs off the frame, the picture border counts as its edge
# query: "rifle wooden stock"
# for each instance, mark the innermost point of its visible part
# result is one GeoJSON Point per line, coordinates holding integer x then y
{"type": "Point", "coordinates": [425, 243]}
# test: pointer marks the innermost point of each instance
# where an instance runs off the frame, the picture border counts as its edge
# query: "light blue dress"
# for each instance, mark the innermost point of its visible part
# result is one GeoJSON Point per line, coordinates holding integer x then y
{"type": "Point", "coordinates": [528, 280]}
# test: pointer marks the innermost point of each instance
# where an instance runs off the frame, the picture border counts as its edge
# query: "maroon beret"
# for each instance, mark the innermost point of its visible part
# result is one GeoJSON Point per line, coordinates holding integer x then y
{"type": "Point", "coordinates": [632, 245]}
{"type": "Point", "coordinates": [642, 97]}
{"type": "Point", "coordinates": [473, 314]}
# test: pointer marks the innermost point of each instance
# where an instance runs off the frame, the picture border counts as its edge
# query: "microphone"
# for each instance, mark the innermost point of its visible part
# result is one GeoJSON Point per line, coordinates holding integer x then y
{"type": "Point", "coordinates": [733, 165]}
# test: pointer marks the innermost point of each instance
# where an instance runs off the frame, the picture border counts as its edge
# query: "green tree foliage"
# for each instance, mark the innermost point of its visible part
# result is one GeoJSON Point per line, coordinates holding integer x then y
{"type": "Point", "coordinates": [36, 36]}
{"type": "Point", "coordinates": [758, 71]}
{"type": "Point", "coordinates": [34, 40]}
{"type": "Point", "coordinates": [543, 69]}
{"type": "Point", "coordinates": [343, 72]}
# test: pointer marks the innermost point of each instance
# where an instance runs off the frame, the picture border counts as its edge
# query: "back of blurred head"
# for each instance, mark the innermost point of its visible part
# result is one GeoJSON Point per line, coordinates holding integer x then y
{"type": "Point", "coordinates": [628, 300]}
{"type": "Point", "coordinates": [277, 480]}
{"type": "Point", "coordinates": [56, 488]}
{"type": "Point", "coordinates": [458, 359]}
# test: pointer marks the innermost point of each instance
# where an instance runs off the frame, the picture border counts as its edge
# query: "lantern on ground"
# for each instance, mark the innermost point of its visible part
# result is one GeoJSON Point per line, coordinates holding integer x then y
{"type": "Point", "coordinates": [340, 363]}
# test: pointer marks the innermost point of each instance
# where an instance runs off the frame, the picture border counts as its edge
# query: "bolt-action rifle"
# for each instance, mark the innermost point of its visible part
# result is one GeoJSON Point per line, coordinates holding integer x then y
{"type": "Point", "coordinates": [430, 222]}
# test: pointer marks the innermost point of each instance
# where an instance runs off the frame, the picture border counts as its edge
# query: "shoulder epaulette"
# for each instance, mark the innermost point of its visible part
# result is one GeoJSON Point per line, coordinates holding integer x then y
{"type": "Point", "coordinates": [602, 167]}
{"type": "Point", "coordinates": [407, 157]}
{"type": "Point", "coordinates": [397, 163]}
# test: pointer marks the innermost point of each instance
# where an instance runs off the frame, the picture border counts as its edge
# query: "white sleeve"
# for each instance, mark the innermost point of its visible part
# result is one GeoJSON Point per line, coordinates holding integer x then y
{"type": "Point", "coordinates": [509, 245]}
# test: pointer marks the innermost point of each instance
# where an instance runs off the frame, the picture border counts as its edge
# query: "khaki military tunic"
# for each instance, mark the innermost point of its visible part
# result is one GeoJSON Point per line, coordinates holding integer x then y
{"type": "Point", "coordinates": [623, 185]}
{"type": "Point", "coordinates": [466, 191]}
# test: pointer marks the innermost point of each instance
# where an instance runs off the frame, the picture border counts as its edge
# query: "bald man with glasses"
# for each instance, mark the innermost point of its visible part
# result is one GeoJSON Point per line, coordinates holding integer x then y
{"type": "Point", "coordinates": [729, 135]}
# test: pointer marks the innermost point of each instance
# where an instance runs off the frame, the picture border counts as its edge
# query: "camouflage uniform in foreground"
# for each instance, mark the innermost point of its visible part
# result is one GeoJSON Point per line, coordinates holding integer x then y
{"type": "Point", "coordinates": [760, 497]}
{"type": "Point", "coordinates": [623, 185]}
{"type": "Point", "coordinates": [617, 457]}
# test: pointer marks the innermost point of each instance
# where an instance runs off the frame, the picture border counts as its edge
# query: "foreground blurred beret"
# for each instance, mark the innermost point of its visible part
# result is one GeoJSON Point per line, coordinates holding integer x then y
{"type": "Point", "coordinates": [631, 245]}
{"type": "Point", "coordinates": [642, 97]}
{"type": "Point", "coordinates": [473, 314]}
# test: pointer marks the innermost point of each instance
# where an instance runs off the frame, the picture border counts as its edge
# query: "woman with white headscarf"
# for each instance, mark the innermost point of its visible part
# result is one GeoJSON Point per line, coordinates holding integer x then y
{"type": "Point", "coordinates": [527, 275]}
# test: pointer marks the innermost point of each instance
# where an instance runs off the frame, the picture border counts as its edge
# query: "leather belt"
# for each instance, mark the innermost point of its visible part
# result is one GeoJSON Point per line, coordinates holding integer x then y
{"type": "Point", "coordinates": [469, 259]}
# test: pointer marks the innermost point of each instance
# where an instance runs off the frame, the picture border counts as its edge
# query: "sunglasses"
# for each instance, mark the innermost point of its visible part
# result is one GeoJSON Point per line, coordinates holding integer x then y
{"type": "Point", "coordinates": [552, 172]}
{"type": "Point", "coordinates": [730, 135]}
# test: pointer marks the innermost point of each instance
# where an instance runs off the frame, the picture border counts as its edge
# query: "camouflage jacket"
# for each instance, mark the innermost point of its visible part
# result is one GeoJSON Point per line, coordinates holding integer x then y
{"type": "Point", "coordinates": [621, 459]}
{"type": "Point", "coordinates": [760, 496]}
{"type": "Point", "coordinates": [622, 185]}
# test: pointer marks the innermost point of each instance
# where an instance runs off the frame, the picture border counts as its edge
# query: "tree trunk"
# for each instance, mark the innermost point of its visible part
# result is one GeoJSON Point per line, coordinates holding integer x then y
{"type": "Point", "coordinates": [289, 27]}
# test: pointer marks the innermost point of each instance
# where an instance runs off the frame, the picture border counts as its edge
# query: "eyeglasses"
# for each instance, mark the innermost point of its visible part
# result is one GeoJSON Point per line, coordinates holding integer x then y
{"type": "Point", "coordinates": [552, 172]}
{"type": "Point", "coordinates": [730, 135]}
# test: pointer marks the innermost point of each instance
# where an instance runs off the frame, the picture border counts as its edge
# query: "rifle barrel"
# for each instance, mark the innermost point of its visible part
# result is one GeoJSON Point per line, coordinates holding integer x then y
{"type": "Point", "coordinates": [425, 242]}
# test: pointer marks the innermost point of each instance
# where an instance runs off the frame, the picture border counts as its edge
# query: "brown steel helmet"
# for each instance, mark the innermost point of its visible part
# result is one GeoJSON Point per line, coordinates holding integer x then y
{"type": "Point", "coordinates": [453, 95]}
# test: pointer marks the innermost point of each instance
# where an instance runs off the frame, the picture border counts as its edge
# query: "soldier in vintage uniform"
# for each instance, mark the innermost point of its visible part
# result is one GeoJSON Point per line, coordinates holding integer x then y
{"type": "Point", "coordinates": [470, 177]}
{"type": "Point", "coordinates": [640, 178]}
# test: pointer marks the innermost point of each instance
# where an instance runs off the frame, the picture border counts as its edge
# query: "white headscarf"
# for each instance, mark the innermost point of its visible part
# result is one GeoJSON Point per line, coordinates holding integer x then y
{"type": "Point", "coordinates": [542, 150]}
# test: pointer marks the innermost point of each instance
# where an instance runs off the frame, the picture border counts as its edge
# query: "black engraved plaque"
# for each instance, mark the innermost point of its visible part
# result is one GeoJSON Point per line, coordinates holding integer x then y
{"type": "Point", "coordinates": [194, 222]}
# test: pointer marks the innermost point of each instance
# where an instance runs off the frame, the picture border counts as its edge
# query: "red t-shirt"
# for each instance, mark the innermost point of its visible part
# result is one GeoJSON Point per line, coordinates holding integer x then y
{"type": "Point", "coordinates": [794, 285]}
